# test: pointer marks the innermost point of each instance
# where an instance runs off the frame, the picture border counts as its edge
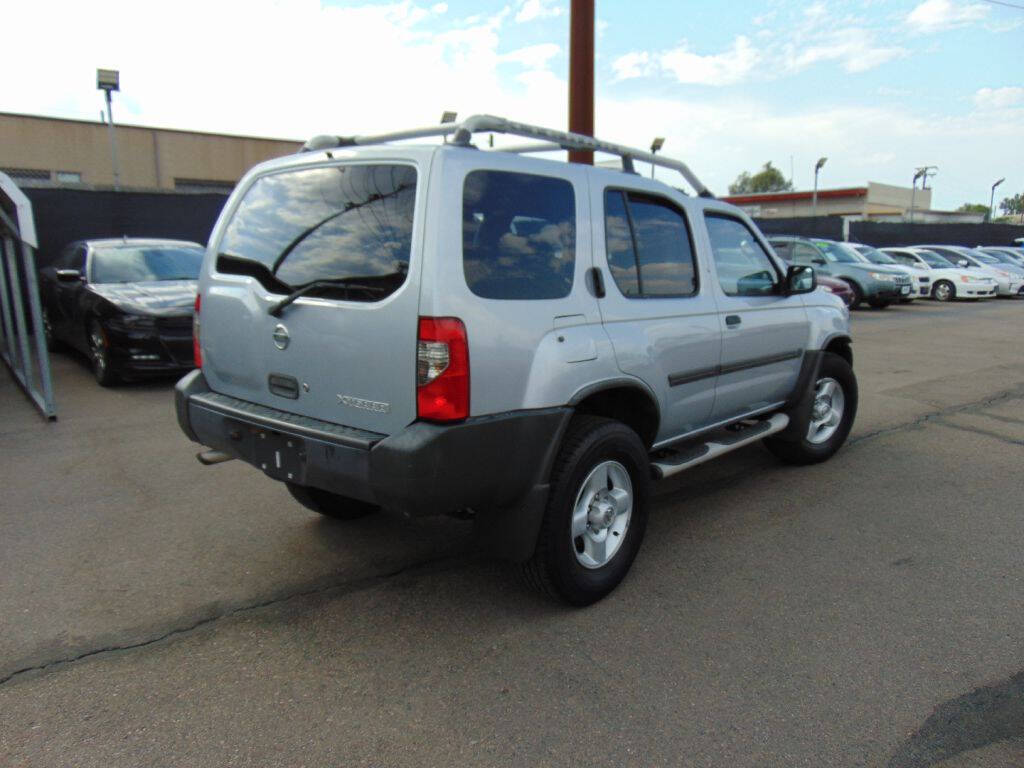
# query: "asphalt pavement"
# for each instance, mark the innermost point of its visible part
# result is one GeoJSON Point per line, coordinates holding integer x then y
{"type": "Point", "coordinates": [868, 611]}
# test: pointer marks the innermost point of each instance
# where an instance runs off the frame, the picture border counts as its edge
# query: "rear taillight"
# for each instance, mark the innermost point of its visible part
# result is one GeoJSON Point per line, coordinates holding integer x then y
{"type": "Point", "coordinates": [197, 354]}
{"type": "Point", "coordinates": [442, 369]}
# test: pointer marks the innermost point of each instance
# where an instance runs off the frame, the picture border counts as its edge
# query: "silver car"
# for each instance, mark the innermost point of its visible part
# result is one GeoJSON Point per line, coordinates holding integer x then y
{"type": "Point", "coordinates": [442, 329]}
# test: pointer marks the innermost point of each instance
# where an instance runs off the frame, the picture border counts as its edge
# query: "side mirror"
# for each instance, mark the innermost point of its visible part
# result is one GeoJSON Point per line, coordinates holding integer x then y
{"type": "Point", "coordinates": [800, 279]}
{"type": "Point", "coordinates": [69, 275]}
{"type": "Point", "coordinates": [819, 261]}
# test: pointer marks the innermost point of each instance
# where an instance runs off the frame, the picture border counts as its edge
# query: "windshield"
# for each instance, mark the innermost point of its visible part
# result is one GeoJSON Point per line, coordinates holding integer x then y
{"type": "Point", "coordinates": [141, 264]}
{"type": "Point", "coordinates": [985, 257]}
{"type": "Point", "coordinates": [875, 256]}
{"type": "Point", "coordinates": [934, 259]}
{"type": "Point", "coordinates": [836, 252]}
{"type": "Point", "coordinates": [349, 222]}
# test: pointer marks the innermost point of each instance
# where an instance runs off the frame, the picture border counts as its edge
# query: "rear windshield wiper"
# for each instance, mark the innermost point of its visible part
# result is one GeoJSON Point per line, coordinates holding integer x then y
{"type": "Point", "coordinates": [339, 282]}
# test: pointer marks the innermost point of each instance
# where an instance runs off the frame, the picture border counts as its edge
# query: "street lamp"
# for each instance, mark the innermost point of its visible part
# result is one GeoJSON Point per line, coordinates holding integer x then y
{"type": "Point", "coordinates": [657, 144]}
{"type": "Point", "coordinates": [921, 173]}
{"type": "Point", "coordinates": [109, 80]}
{"type": "Point", "coordinates": [992, 199]}
{"type": "Point", "coordinates": [814, 199]}
{"type": "Point", "coordinates": [449, 117]}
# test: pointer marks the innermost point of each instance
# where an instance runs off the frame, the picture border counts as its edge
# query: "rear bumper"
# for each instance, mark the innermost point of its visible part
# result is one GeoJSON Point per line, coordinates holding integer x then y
{"type": "Point", "coordinates": [489, 464]}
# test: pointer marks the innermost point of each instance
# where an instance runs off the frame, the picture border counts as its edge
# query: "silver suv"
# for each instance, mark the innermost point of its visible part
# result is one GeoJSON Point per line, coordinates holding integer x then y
{"type": "Point", "coordinates": [445, 329]}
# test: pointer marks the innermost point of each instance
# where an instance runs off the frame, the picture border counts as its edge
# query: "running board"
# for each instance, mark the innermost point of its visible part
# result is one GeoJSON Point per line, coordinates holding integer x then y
{"type": "Point", "coordinates": [671, 462]}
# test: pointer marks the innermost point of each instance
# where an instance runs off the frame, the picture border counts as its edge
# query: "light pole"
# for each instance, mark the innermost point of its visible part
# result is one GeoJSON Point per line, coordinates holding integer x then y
{"type": "Point", "coordinates": [921, 173]}
{"type": "Point", "coordinates": [108, 80]}
{"type": "Point", "coordinates": [814, 199]}
{"type": "Point", "coordinates": [992, 199]}
{"type": "Point", "coordinates": [657, 144]}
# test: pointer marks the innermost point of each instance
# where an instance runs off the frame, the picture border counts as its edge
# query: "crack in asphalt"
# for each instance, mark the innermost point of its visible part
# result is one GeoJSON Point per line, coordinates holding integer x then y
{"type": "Point", "coordinates": [341, 588]}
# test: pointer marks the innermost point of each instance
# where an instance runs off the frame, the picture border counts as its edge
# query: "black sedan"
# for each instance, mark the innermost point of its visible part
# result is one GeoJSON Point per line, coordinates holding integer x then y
{"type": "Point", "coordinates": [126, 303]}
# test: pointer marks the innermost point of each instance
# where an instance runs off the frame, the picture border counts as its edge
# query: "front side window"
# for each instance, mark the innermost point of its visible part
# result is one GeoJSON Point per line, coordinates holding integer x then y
{"type": "Point", "coordinates": [743, 266]}
{"type": "Point", "coordinates": [346, 223]}
{"type": "Point", "coordinates": [518, 235]}
{"type": "Point", "coordinates": [648, 245]}
{"type": "Point", "coordinates": [143, 264]}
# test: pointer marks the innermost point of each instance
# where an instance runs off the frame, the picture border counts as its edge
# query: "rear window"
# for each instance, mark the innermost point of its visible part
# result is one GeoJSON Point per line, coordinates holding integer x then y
{"type": "Point", "coordinates": [143, 264]}
{"type": "Point", "coordinates": [348, 222]}
{"type": "Point", "coordinates": [518, 235]}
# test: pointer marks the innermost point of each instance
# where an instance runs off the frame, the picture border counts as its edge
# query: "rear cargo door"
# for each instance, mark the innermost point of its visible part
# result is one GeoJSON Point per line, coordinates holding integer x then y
{"type": "Point", "coordinates": [346, 351]}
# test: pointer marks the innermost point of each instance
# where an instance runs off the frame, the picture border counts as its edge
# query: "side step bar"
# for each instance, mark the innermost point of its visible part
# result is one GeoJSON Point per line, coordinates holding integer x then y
{"type": "Point", "coordinates": [672, 462]}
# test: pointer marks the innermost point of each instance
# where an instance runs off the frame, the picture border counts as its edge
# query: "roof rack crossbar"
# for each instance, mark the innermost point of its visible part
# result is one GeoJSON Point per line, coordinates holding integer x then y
{"type": "Point", "coordinates": [551, 139]}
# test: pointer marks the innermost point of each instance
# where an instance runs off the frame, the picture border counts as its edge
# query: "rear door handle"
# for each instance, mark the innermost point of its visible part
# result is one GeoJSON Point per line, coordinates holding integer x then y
{"type": "Point", "coordinates": [733, 320]}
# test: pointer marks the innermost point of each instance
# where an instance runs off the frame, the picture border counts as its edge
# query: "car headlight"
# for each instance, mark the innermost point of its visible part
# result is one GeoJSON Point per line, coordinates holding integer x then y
{"type": "Point", "coordinates": [883, 276]}
{"type": "Point", "coordinates": [132, 322]}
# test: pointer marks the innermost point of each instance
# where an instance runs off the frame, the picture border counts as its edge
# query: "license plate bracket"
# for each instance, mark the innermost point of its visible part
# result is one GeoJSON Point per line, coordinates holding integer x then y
{"type": "Point", "coordinates": [281, 457]}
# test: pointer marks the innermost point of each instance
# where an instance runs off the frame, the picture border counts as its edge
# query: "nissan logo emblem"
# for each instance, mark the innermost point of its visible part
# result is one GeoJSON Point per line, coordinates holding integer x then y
{"type": "Point", "coordinates": [281, 337]}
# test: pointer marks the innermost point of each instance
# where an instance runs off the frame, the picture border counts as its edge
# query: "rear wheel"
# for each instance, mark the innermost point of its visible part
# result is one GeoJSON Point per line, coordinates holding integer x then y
{"type": "Point", "coordinates": [596, 513]}
{"type": "Point", "coordinates": [833, 409]}
{"type": "Point", "coordinates": [330, 504]}
{"type": "Point", "coordinates": [99, 355]}
{"type": "Point", "coordinates": [943, 291]}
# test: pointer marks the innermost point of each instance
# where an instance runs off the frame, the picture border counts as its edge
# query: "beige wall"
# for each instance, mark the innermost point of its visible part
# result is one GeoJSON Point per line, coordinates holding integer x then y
{"type": "Point", "coordinates": [147, 157]}
{"type": "Point", "coordinates": [881, 199]}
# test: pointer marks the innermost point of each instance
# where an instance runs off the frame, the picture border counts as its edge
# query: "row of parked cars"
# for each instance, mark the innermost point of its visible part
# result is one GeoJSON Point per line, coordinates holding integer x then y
{"type": "Point", "coordinates": [879, 277]}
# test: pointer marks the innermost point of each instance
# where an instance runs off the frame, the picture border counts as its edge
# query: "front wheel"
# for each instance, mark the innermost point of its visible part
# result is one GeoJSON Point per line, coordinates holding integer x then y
{"type": "Point", "coordinates": [330, 504]}
{"type": "Point", "coordinates": [99, 355]}
{"type": "Point", "coordinates": [943, 291]}
{"type": "Point", "coordinates": [596, 513]}
{"type": "Point", "coordinates": [858, 294]}
{"type": "Point", "coordinates": [833, 409]}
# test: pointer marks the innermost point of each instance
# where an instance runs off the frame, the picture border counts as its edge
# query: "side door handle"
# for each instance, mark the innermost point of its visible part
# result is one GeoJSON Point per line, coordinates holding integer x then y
{"type": "Point", "coordinates": [733, 320]}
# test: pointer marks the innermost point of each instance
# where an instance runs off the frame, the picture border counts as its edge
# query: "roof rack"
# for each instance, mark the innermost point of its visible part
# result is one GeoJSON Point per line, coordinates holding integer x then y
{"type": "Point", "coordinates": [550, 140]}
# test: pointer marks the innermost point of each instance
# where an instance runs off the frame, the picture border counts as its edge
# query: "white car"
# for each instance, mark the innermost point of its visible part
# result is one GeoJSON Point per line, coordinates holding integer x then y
{"type": "Point", "coordinates": [920, 277]}
{"type": "Point", "coordinates": [1010, 282]}
{"type": "Point", "coordinates": [948, 282]}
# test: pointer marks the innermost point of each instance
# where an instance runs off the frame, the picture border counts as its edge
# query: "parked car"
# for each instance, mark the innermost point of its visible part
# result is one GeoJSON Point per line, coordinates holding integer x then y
{"type": "Point", "coordinates": [949, 282]}
{"type": "Point", "coordinates": [836, 287]}
{"type": "Point", "coordinates": [447, 329]}
{"type": "Point", "coordinates": [1010, 280]}
{"type": "Point", "coordinates": [1005, 254]}
{"type": "Point", "coordinates": [126, 303]}
{"type": "Point", "coordinates": [920, 280]}
{"type": "Point", "coordinates": [879, 286]}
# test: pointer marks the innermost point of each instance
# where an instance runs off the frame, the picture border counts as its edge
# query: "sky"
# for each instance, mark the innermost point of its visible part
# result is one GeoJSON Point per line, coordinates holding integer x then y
{"type": "Point", "coordinates": [878, 87]}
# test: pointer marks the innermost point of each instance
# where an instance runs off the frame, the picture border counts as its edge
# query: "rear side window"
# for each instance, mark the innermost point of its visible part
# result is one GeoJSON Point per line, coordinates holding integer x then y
{"type": "Point", "coordinates": [518, 235]}
{"type": "Point", "coordinates": [648, 244]}
{"type": "Point", "coordinates": [344, 223]}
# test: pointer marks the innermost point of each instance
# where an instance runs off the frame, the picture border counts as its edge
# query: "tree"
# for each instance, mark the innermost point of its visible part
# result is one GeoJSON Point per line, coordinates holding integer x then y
{"type": "Point", "coordinates": [972, 208]}
{"type": "Point", "coordinates": [768, 179]}
{"type": "Point", "coordinates": [1013, 205]}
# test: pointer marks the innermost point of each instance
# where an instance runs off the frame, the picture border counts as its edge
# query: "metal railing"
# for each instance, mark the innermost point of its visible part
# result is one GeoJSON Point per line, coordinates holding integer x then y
{"type": "Point", "coordinates": [22, 338]}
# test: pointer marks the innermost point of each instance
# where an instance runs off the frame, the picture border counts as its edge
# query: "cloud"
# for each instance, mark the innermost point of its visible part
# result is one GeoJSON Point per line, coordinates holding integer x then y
{"type": "Point", "coordinates": [938, 15]}
{"type": "Point", "coordinates": [529, 10]}
{"type": "Point", "coordinates": [533, 56]}
{"type": "Point", "coordinates": [726, 68]}
{"type": "Point", "coordinates": [999, 98]}
{"type": "Point", "coordinates": [852, 47]}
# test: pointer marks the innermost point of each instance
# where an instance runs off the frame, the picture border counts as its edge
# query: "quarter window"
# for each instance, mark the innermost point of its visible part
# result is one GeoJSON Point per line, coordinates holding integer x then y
{"type": "Point", "coordinates": [518, 235]}
{"type": "Point", "coordinates": [648, 245]}
{"type": "Point", "coordinates": [743, 266]}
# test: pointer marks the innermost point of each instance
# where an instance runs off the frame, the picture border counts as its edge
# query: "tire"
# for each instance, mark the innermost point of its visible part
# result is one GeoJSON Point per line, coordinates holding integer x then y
{"type": "Point", "coordinates": [330, 504]}
{"type": "Point", "coordinates": [858, 294]}
{"type": "Point", "coordinates": [602, 471]}
{"type": "Point", "coordinates": [99, 355]}
{"type": "Point", "coordinates": [943, 290]}
{"type": "Point", "coordinates": [819, 445]}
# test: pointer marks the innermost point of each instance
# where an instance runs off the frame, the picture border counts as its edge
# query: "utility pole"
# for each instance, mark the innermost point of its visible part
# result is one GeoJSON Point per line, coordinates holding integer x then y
{"type": "Point", "coordinates": [109, 80]}
{"type": "Point", "coordinates": [581, 75]}
{"type": "Point", "coordinates": [920, 173]}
